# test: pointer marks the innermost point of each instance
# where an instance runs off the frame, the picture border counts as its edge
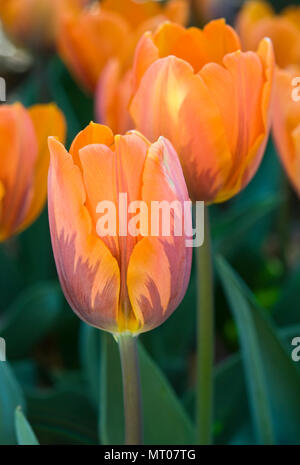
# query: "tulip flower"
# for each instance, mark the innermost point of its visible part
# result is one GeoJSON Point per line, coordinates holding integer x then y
{"type": "Point", "coordinates": [211, 100]}
{"type": "Point", "coordinates": [115, 83]}
{"type": "Point", "coordinates": [286, 121]}
{"type": "Point", "coordinates": [115, 282]}
{"type": "Point", "coordinates": [121, 282]}
{"type": "Point", "coordinates": [98, 47]}
{"type": "Point", "coordinates": [33, 23]}
{"type": "Point", "coordinates": [24, 163]}
{"type": "Point", "coordinates": [258, 19]}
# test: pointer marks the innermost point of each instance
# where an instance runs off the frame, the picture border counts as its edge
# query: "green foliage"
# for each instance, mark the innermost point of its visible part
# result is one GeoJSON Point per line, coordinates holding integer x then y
{"type": "Point", "coordinates": [273, 379]}
{"type": "Point", "coordinates": [25, 435]}
{"type": "Point", "coordinates": [11, 396]}
{"type": "Point", "coordinates": [30, 317]}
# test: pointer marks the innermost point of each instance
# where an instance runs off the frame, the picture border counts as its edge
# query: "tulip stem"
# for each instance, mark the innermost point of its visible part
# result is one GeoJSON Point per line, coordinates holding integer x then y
{"type": "Point", "coordinates": [131, 389]}
{"type": "Point", "coordinates": [205, 338]}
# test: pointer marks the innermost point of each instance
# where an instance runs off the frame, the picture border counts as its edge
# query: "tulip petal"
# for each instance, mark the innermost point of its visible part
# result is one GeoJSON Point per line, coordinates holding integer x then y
{"type": "Point", "coordinates": [81, 37]}
{"type": "Point", "coordinates": [197, 46]}
{"type": "Point", "coordinates": [2, 193]}
{"type": "Point", "coordinates": [113, 96]}
{"type": "Point", "coordinates": [92, 134]}
{"type": "Point", "coordinates": [118, 172]}
{"type": "Point", "coordinates": [252, 162]}
{"type": "Point", "coordinates": [48, 120]}
{"type": "Point", "coordinates": [286, 123]}
{"type": "Point", "coordinates": [239, 89]}
{"type": "Point", "coordinates": [88, 272]}
{"type": "Point", "coordinates": [163, 165]}
{"type": "Point", "coordinates": [296, 169]}
{"type": "Point", "coordinates": [134, 12]}
{"type": "Point", "coordinates": [18, 149]}
{"type": "Point", "coordinates": [149, 283]}
{"type": "Point", "coordinates": [177, 11]}
{"type": "Point", "coordinates": [101, 187]}
{"type": "Point", "coordinates": [174, 102]}
{"type": "Point", "coordinates": [154, 290]}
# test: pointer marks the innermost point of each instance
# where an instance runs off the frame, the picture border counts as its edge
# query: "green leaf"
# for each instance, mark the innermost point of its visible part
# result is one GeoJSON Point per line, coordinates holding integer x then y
{"type": "Point", "coordinates": [254, 368]}
{"type": "Point", "coordinates": [272, 378]}
{"type": "Point", "coordinates": [231, 412]}
{"type": "Point", "coordinates": [35, 255]}
{"type": "Point", "coordinates": [11, 396]}
{"type": "Point", "coordinates": [165, 421]}
{"type": "Point", "coordinates": [229, 231]}
{"type": "Point", "coordinates": [62, 416]}
{"type": "Point", "coordinates": [24, 432]}
{"type": "Point", "coordinates": [30, 318]}
{"type": "Point", "coordinates": [286, 310]}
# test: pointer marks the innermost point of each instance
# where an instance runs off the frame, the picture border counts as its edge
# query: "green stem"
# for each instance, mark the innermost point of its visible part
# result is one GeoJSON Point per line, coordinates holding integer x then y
{"type": "Point", "coordinates": [131, 389]}
{"type": "Point", "coordinates": [205, 338]}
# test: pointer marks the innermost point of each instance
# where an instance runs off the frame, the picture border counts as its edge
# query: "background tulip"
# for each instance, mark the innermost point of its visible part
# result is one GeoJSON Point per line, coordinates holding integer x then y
{"type": "Point", "coordinates": [116, 283]}
{"type": "Point", "coordinates": [115, 83]}
{"type": "Point", "coordinates": [24, 163]}
{"type": "Point", "coordinates": [98, 47]}
{"type": "Point", "coordinates": [286, 121]}
{"type": "Point", "coordinates": [209, 99]}
{"type": "Point", "coordinates": [33, 23]}
{"type": "Point", "coordinates": [109, 29]}
{"type": "Point", "coordinates": [258, 20]}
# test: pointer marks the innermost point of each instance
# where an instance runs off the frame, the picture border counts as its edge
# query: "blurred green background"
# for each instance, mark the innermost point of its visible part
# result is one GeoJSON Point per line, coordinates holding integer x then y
{"type": "Point", "coordinates": [66, 375]}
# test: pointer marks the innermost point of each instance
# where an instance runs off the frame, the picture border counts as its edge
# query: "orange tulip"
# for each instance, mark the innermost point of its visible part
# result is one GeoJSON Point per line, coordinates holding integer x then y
{"type": "Point", "coordinates": [24, 163]}
{"type": "Point", "coordinates": [286, 121]}
{"type": "Point", "coordinates": [116, 282]}
{"type": "Point", "coordinates": [33, 22]}
{"type": "Point", "coordinates": [110, 29]}
{"type": "Point", "coordinates": [258, 19]}
{"type": "Point", "coordinates": [211, 100]}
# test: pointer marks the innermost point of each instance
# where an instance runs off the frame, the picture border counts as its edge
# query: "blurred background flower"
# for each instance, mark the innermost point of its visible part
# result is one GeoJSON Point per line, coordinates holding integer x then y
{"type": "Point", "coordinates": [33, 23]}
{"type": "Point", "coordinates": [286, 121]}
{"type": "Point", "coordinates": [257, 19]}
{"type": "Point", "coordinates": [24, 163]}
{"type": "Point", "coordinates": [88, 40]}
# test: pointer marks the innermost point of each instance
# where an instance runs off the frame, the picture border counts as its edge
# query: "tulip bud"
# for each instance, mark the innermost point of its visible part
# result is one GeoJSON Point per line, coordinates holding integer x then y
{"type": "Point", "coordinates": [211, 100]}
{"type": "Point", "coordinates": [24, 163]}
{"type": "Point", "coordinates": [115, 274]}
